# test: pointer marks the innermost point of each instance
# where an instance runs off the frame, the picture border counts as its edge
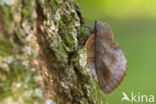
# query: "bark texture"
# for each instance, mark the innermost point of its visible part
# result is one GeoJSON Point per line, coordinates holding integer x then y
{"type": "Point", "coordinates": [52, 29]}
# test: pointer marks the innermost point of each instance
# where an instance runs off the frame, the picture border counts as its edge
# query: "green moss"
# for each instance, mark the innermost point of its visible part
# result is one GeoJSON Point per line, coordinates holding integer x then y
{"type": "Point", "coordinates": [16, 75]}
{"type": "Point", "coordinates": [28, 9]}
{"type": "Point", "coordinates": [92, 90]}
{"type": "Point", "coordinates": [6, 47]}
{"type": "Point", "coordinates": [16, 79]}
{"type": "Point", "coordinates": [7, 15]}
{"type": "Point", "coordinates": [59, 32]}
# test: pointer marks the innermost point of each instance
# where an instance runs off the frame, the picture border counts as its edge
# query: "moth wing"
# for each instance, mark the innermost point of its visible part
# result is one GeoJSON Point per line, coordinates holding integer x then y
{"type": "Point", "coordinates": [90, 54]}
{"type": "Point", "coordinates": [110, 62]}
{"type": "Point", "coordinates": [114, 68]}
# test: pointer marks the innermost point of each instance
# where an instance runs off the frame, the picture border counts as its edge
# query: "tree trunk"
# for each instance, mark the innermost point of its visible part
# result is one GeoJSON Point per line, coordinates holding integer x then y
{"type": "Point", "coordinates": [52, 29]}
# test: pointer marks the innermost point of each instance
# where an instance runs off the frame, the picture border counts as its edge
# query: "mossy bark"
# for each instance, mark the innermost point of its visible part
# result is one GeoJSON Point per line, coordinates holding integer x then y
{"type": "Point", "coordinates": [52, 29]}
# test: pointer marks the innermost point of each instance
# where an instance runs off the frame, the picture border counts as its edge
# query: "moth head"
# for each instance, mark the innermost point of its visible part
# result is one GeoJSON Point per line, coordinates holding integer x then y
{"type": "Point", "coordinates": [102, 30]}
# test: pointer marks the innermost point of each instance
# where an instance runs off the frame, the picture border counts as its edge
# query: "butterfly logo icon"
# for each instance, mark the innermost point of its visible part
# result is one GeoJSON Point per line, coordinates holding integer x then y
{"type": "Point", "coordinates": [125, 97]}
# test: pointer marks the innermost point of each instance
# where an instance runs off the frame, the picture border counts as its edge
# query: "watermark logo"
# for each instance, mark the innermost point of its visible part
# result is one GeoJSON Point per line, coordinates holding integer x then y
{"type": "Point", "coordinates": [137, 98]}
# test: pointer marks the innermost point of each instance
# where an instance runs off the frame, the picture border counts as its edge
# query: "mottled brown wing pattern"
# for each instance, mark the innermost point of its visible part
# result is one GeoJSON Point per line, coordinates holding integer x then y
{"type": "Point", "coordinates": [90, 54]}
{"type": "Point", "coordinates": [106, 56]}
{"type": "Point", "coordinates": [116, 68]}
{"type": "Point", "coordinates": [110, 62]}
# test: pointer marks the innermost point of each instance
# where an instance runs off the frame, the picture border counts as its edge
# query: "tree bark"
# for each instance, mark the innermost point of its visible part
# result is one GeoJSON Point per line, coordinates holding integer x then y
{"type": "Point", "coordinates": [52, 29]}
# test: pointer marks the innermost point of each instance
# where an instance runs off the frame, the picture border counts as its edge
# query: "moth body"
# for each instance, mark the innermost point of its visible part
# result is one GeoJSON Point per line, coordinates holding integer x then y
{"type": "Point", "coordinates": [105, 58]}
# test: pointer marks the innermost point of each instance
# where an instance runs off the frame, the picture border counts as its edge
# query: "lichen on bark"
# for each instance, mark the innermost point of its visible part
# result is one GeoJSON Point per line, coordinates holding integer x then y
{"type": "Point", "coordinates": [19, 78]}
{"type": "Point", "coordinates": [52, 29]}
{"type": "Point", "coordinates": [64, 63]}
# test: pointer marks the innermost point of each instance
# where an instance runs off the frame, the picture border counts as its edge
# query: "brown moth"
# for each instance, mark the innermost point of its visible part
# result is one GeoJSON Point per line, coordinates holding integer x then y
{"type": "Point", "coordinates": [105, 57]}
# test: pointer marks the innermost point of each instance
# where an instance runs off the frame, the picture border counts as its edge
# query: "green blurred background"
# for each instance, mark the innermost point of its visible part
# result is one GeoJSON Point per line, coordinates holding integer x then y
{"type": "Point", "coordinates": [133, 23]}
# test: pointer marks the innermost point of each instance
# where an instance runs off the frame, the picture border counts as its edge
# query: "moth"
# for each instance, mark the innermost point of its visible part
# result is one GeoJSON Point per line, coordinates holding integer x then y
{"type": "Point", "coordinates": [105, 57]}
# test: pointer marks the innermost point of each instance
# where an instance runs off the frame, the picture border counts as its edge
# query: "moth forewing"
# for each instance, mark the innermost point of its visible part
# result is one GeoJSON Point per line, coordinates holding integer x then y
{"type": "Point", "coordinates": [106, 57]}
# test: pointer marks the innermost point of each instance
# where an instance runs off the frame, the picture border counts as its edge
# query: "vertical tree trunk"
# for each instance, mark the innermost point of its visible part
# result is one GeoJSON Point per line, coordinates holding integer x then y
{"type": "Point", "coordinates": [52, 29]}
